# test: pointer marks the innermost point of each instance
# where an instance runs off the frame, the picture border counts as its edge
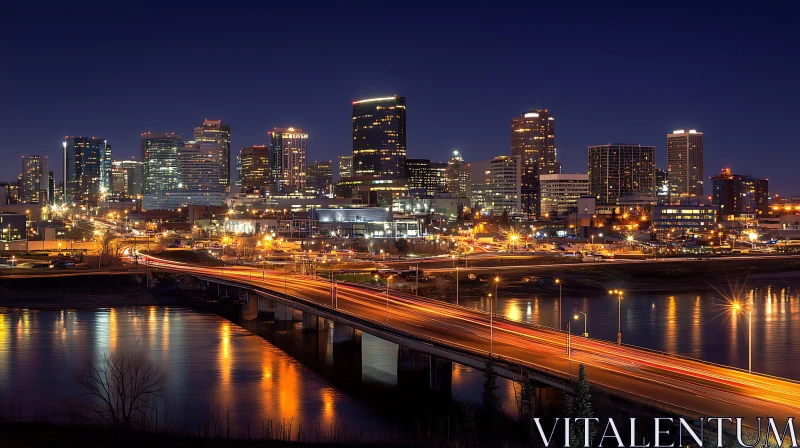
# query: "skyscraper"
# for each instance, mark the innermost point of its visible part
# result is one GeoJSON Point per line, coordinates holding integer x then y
{"type": "Point", "coordinates": [345, 166]}
{"type": "Point", "coordinates": [685, 163]}
{"type": "Point", "coordinates": [255, 167]}
{"type": "Point", "coordinates": [288, 159]}
{"type": "Point", "coordinates": [379, 137]}
{"type": "Point", "coordinates": [35, 182]}
{"type": "Point", "coordinates": [105, 168]}
{"type": "Point", "coordinates": [160, 162]}
{"type": "Point", "coordinates": [126, 177]}
{"type": "Point", "coordinates": [319, 179]}
{"type": "Point", "coordinates": [220, 133]}
{"type": "Point", "coordinates": [457, 175]}
{"type": "Point", "coordinates": [738, 194]}
{"type": "Point", "coordinates": [619, 169]}
{"type": "Point", "coordinates": [418, 174]}
{"type": "Point", "coordinates": [84, 158]}
{"type": "Point", "coordinates": [200, 166]}
{"type": "Point", "coordinates": [503, 186]}
{"type": "Point", "coordinates": [560, 192]}
{"type": "Point", "coordinates": [533, 139]}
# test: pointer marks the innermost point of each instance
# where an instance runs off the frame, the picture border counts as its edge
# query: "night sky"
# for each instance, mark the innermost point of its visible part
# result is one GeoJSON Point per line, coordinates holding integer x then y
{"type": "Point", "coordinates": [609, 73]}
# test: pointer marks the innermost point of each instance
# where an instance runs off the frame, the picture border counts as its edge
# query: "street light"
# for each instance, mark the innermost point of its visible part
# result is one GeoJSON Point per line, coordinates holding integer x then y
{"type": "Point", "coordinates": [560, 308]}
{"type": "Point", "coordinates": [388, 281]}
{"type": "Point", "coordinates": [737, 307]}
{"type": "Point", "coordinates": [491, 315]}
{"type": "Point", "coordinates": [585, 323]}
{"type": "Point", "coordinates": [619, 294]}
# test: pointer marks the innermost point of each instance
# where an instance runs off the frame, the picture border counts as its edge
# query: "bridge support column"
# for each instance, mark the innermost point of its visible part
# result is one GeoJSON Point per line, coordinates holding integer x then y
{"type": "Point", "coordinates": [418, 371]}
{"type": "Point", "coordinates": [250, 310]}
{"type": "Point", "coordinates": [312, 322]}
{"type": "Point", "coordinates": [266, 308]}
{"type": "Point", "coordinates": [345, 335]}
{"type": "Point", "coordinates": [347, 363]}
{"type": "Point", "coordinates": [283, 312]}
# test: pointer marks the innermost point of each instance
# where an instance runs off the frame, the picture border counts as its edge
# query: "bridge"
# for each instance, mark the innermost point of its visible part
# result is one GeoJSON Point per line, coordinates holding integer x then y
{"type": "Point", "coordinates": [671, 383]}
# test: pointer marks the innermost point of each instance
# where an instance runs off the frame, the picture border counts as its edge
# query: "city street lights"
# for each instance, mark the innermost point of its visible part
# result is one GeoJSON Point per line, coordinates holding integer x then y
{"type": "Point", "coordinates": [456, 285]}
{"type": "Point", "coordinates": [491, 315]}
{"type": "Point", "coordinates": [560, 309]}
{"type": "Point", "coordinates": [388, 282]}
{"type": "Point", "coordinates": [619, 294]}
{"type": "Point", "coordinates": [737, 307]}
{"type": "Point", "coordinates": [585, 323]}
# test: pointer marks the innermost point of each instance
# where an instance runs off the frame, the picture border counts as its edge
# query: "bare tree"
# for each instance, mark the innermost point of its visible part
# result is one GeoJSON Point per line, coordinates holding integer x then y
{"type": "Point", "coordinates": [123, 387]}
{"type": "Point", "coordinates": [106, 239]}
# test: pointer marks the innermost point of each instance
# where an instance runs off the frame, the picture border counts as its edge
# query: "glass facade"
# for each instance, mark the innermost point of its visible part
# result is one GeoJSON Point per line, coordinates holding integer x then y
{"type": "Point", "coordinates": [619, 169]}
{"type": "Point", "coordinates": [200, 166]}
{"type": "Point", "coordinates": [34, 184]}
{"type": "Point", "coordinates": [160, 162]}
{"type": "Point", "coordinates": [379, 137]}
{"type": "Point", "coordinates": [533, 140]}
{"type": "Point", "coordinates": [685, 163]}
{"type": "Point", "coordinates": [84, 160]}
{"type": "Point", "coordinates": [288, 159]}
{"type": "Point", "coordinates": [255, 167]}
{"type": "Point", "coordinates": [319, 178]}
{"type": "Point", "coordinates": [220, 133]}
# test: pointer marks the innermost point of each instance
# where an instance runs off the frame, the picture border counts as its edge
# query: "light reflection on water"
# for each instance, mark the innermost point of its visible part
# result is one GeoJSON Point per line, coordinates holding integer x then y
{"type": "Point", "coordinates": [697, 325]}
{"type": "Point", "coordinates": [211, 365]}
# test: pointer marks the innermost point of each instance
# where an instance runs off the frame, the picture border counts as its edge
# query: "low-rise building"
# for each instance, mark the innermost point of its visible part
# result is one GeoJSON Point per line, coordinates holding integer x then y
{"type": "Point", "coordinates": [683, 219]}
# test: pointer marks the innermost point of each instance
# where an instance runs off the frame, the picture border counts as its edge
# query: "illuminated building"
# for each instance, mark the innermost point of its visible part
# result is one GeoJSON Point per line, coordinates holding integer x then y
{"type": "Point", "coordinates": [12, 227]}
{"type": "Point", "coordinates": [126, 177]}
{"type": "Point", "coordinates": [560, 192]}
{"type": "Point", "coordinates": [160, 162]}
{"type": "Point", "coordinates": [319, 178]}
{"type": "Point", "coordinates": [503, 185]}
{"type": "Point", "coordinates": [686, 218]}
{"type": "Point", "coordinates": [379, 137]}
{"type": "Point", "coordinates": [34, 186]}
{"type": "Point", "coordinates": [685, 163]}
{"type": "Point", "coordinates": [200, 165]}
{"type": "Point", "coordinates": [217, 132]}
{"type": "Point", "coordinates": [84, 158]}
{"type": "Point", "coordinates": [288, 159]}
{"type": "Point", "coordinates": [619, 169]}
{"type": "Point", "coordinates": [457, 175]}
{"type": "Point", "coordinates": [255, 171]}
{"type": "Point", "coordinates": [735, 194]}
{"type": "Point", "coordinates": [533, 140]}
{"type": "Point", "coordinates": [345, 166]}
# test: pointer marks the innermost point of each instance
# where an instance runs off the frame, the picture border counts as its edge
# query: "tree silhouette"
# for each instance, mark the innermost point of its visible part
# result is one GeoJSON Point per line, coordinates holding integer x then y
{"type": "Point", "coordinates": [491, 404]}
{"type": "Point", "coordinates": [581, 408]}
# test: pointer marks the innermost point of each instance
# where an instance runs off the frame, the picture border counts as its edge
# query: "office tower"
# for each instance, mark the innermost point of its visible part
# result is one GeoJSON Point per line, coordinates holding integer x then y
{"type": "Point", "coordinates": [685, 163]}
{"type": "Point", "coordinates": [220, 133]}
{"type": "Point", "coordinates": [457, 175]}
{"type": "Point", "coordinates": [379, 137]}
{"type": "Point", "coordinates": [560, 192]}
{"type": "Point", "coordinates": [288, 159]}
{"type": "Point", "coordinates": [438, 177]}
{"type": "Point", "coordinates": [105, 168]}
{"type": "Point", "coordinates": [533, 140]}
{"type": "Point", "coordinates": [662, 185]}
{"type": "Point", "coordinates": [418, 173]}
{"type": "Point", "coordinates": [126, 177]}
{"type": "Point", "coordinates": [503, 185]}
{"type": "Point", "coordinates": [160, 162]}
{"type": "Point", "coordinates": [51, 188]}
{"type": "Point", "coordinates": [35, 181]}
{"type": "Point", "coordinates": [200, 166]}
{"type": "Point", "coordinates": [345, 166]}
{"type": "Point", "coordinates": [84, 168]}
{"type": "Point", "coordinates": [619, 169]}
{"type": "Point", "coordinates": [255, 170]}
{"type": "Point", "coordinates": [734, 195]}
{"type": "Point", "coordinates": [319, 178]}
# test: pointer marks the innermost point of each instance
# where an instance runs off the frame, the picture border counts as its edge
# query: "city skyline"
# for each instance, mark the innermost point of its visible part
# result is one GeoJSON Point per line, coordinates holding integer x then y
{"type": "Point", "coordinates": [635, 107]}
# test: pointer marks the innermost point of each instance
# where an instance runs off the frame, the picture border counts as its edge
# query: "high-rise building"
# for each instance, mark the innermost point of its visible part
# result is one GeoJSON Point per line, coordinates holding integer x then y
{"type": "Point", "coordinates": [503, 185]}
{"type": "Point", "coordinates": [319, 178]}
{"type": "Point", "coordinates": [457, 175]}
{"type": "Point", "coordinates": [105, 168]}
{"type": "Point", "coordinates": [288, 159]}
{"type": "Point", "coordinates": [255, 170]}
{"type": "Point", "coordinates": [35, 182]}
{"type": "Point", "coordinates": [438, 179]}
{"type": "Point", "coordinates": [662, 186]}
{"type": "Point", "coordinates": [737, 194]}
{"type": "Point", "coordinates": [345, 166]}
{"type": "Point", "coordinates": [220, 133]}
{"type": "Point", "coordinates": [84, 158]}
{"type": "Point", "coordinates": [161, 169]}
{"type": "Point", "coordinates": [126, 177]}
{"type": "Point", "coordinates": [685, 163]}
{"type": "Point", "coordinates": [533, 140]}
{"type": "Point", "coordinates": [418, 174]}
{"type": "Point", "coordinates": [200, 165]}
{"type": "Point", "coordinates": [51, 188]}
{"type": "Point", "coordinates": [560, 192]}
{"type": "Point", "coordinates": [619, 169]}
{"type": "Point", "coordinates": [379, 137]}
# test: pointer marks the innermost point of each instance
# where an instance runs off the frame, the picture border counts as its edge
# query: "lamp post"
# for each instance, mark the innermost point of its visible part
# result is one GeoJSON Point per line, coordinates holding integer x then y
{"type": "Point", "coordinates": [737, 307]}
{"type": "Point", "coordinates": [619, 294]}
{"type": "Point", "coordinates": [491, 315]}
{"type": "Point", "coordinates": [456, 285]}
{"type": "Point", "coordinates": [569, 348]}
{"type": "Point", "coordinates": [585, 323]}
{"type": "Point", "coordinates": [560, 308]}
{"type": "Point", "coordinates": [416, 278]}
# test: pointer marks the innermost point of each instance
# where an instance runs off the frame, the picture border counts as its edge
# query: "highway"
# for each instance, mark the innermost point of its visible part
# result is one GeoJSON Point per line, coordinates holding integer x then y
{"type": "Point", "coordinates": [685, 386]}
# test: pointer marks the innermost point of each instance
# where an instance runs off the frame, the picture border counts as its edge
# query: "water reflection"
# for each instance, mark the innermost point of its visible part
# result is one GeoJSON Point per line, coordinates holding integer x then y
{"type": "Point", "coordinates": [698, 325]}
{"type": "Point", "coordinates": [211, 365]}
